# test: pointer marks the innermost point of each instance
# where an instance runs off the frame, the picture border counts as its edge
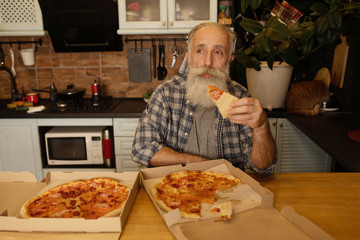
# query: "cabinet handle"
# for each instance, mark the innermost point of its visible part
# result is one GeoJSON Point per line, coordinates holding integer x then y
{"type": "Point", "coordinates": [274, 124]}
{"type": "Point", "coordinates": [163, 23]}
{"type": "Point", "coordinates": [281, 125]}
{"type": "Point", "coordinates": [171, 24]}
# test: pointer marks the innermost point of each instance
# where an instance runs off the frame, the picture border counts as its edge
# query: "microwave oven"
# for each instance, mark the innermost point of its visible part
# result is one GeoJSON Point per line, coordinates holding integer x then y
{"type": "Point", "coordinates": [74, 145]}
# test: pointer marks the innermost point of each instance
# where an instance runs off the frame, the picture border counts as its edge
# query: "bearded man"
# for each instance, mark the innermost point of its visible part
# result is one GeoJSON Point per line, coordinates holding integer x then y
{"type": "Point", "coordinates": [181, 124]}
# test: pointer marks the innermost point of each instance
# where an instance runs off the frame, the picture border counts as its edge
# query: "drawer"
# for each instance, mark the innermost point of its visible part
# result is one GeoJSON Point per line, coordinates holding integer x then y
{"type": "Point", "coordinates": [125, 127]}
{"type": "Point", "coordinates": [123, 145]}
{"type": "Point", "coordinates": [124, 163]}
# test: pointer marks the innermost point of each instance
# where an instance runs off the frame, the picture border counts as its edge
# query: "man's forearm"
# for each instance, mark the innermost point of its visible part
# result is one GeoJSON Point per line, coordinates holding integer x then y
{"type": "Point", "coordinates": [168, 156]}
{"type": "Point", "coordinates": [264, 147]}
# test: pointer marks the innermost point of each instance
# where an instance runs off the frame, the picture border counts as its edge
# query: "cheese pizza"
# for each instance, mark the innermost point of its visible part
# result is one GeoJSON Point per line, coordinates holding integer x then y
{"type": "Point", "coordinates": [222, 100]}
{"type": "Point", "coordinates": [89, 199]}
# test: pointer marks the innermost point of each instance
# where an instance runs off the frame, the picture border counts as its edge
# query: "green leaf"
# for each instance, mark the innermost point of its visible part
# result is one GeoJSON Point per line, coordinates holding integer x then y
{"type": "Point", "coordinates": [319, 7]}
{"type": "Point", "coordinates": [251, 26]}
{"type": "Point", "coordinates": [321, 25]}
{"type": "Point", "coordinates": [248, 51]}
{"type": "Point", "coordinates": [334, 19]}
{"type": "Point", "coordinates": [255, 63]}
{"type": "Point", "coordinates": [270, 58]}
{"type": "Point", "coordinates": [279, 32]}
{"type": "Point", "coordinates": [254, 4]}
{"type": "Point", "coordinates": [244, 5]}
{"type": "Point", "coordinates": [289, 56]}
{"type": "Point", "coordinates": [271, 20]}
{"type": "Point", "coordinates": [307, 34]}
{"type": "Point", "coordinates": [283, 46]}
{"type": "Point", "coordinates": [306, 46]}
{"type": "Point", "coordinates": [267, 43]}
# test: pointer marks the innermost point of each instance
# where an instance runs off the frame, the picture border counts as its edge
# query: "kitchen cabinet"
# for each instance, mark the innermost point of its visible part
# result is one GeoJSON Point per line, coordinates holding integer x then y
{"type": "Point", "coordinates": [20, 147]}
{"type": "Point", "coordinates": [296, 152]}
{"type": "Point", "coordinates": [124, 132]}
{"type": "Point", "coordinates": [21, 18]}
{"type": "Point", "coordinates": [164, 16]}
{"type": "Point", "coordinates": [52, 122]}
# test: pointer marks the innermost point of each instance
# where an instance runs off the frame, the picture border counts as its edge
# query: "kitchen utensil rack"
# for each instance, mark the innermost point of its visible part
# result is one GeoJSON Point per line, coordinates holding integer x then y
{"type": "Point", "coordinates": [23, 42]}
{"type": "Point", "coordinates": [153, 39]}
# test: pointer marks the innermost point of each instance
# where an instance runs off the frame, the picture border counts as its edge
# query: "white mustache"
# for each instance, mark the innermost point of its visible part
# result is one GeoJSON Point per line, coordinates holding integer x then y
{"type": "Point", "coordinates": [212, 71]}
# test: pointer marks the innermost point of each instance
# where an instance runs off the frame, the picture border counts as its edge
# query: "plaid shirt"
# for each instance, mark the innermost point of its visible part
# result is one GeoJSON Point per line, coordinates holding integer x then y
{"type": "Point", "coordinates": [167, 121]}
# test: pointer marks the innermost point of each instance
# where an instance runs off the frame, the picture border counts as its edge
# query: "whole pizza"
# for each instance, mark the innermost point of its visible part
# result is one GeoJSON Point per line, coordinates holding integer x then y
{"type": "Point", "coordinates": [189, 190]}
{"type": "Point", "coordinates": [89, 199]}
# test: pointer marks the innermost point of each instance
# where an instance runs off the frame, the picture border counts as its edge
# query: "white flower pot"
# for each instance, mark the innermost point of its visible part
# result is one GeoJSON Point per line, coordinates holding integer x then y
{"type": "Point", "coordinates": [270, 86]}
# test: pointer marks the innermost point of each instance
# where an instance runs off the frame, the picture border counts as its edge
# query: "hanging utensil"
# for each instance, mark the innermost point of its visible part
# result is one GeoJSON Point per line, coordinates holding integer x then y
{"type": "Point", "coordinates": [11, 52]}
{"type": "Point", "coordinates": [164, 70]}
{"type": "Point", "coordinates": [139, 64]}
{"type": "Point", "coordinates": [154, 57]}
{"type": "Point", "coordinates": [159, 68]}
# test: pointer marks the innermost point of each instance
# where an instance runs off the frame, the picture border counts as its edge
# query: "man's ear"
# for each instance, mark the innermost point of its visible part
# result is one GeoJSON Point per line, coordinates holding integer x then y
{"type": "Point", "coordinates": [187, 56]}
{"type": "Point", "coordinates": [232, 58]}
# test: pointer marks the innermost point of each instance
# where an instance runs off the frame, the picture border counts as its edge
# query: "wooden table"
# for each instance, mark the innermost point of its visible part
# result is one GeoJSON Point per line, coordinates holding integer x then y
{"type": "Point", "coordinates": [330, 200]}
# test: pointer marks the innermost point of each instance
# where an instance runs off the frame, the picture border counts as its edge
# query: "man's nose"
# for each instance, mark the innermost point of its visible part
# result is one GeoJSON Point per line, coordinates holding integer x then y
{"type": "Point", "coordinates": [208, 59]}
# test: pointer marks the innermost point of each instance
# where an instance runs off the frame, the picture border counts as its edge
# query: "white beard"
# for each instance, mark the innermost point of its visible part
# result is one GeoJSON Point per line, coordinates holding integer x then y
{"type": "Point", "coordinates": [197, 86]}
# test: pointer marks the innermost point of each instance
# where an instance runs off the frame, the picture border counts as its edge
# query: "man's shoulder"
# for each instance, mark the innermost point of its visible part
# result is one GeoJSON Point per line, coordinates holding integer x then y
{"type": "Point", "coordinates": [175, 83]}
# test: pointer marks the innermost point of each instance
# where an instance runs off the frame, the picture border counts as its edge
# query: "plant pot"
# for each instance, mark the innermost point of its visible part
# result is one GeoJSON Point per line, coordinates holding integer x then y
{"type": "Point", "coordinates": [270, 86]}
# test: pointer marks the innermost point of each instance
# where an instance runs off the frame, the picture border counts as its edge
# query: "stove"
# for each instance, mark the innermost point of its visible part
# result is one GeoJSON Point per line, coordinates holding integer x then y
{"type": "Point", "coordinates": [83, 105]}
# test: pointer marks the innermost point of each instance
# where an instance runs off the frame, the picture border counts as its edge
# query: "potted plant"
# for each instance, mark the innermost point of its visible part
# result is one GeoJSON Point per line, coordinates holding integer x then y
{"type": "Point", "coordinates": [276, 48]}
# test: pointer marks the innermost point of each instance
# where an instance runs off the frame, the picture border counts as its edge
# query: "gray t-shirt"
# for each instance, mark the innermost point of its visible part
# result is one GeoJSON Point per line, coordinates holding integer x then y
{"type": "Point", "coordinates": [202, 134]}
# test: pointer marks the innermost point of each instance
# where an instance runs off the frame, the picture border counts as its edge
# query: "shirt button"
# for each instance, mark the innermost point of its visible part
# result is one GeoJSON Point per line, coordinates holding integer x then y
{"type": "Point", "coordinates": [186, 134]}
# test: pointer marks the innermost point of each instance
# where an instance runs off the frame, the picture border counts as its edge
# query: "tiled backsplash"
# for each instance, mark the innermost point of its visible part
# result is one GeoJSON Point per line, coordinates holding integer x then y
{"type": "Point", "coordinates": [111, 69]}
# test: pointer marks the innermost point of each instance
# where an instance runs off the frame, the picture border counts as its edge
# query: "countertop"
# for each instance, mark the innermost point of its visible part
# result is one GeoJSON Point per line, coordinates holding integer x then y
{"type": "Point", "coordinates": [125, 108]}
{"type": "Point", "coordinates": [328, 130]}
{"type": "Point", "coordinates": [329, 200]}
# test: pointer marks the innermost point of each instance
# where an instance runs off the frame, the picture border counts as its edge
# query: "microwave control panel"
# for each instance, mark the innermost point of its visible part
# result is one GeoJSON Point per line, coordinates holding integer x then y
{"type": "Point", "coordinates": [97, 149]}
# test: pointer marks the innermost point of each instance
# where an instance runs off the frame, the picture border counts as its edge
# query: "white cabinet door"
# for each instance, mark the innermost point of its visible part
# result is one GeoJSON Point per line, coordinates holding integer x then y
{"type": "Point", "coordinates": [20, 146]}
{"type": "Point", "coordinates": [164, 16]}
{"type": "Point", "coordinates": [297, 152]}
{"type": "Point", "coordinates": [124, 132]}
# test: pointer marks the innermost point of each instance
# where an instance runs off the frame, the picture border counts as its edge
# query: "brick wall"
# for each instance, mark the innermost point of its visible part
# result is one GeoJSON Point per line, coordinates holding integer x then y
{"type": "Point", "coordinates": [81, 68]}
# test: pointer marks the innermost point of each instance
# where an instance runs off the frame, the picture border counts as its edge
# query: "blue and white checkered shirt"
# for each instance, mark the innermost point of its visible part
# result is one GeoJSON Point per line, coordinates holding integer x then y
{"type": "Point", "coordinates": [167, 121]}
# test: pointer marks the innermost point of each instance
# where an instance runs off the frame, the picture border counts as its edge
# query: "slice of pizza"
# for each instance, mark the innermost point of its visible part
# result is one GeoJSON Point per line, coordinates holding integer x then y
{"type": "Point", "coordinates": [222, 100]}
{"type": "Point", "coordinates": [222, 210]}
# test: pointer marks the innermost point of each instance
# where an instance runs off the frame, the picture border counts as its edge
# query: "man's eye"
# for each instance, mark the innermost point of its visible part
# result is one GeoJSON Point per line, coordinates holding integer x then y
{"type": "Point", "coordinates": [219, 52]}
{"type": "Point", "coordinates": [199, 51]}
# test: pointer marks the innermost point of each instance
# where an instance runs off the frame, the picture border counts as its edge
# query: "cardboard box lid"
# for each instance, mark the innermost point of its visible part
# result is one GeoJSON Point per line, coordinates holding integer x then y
{"type": "Point", "coordinates": [24, 176]}
{"type": "Point", "coordinates": [17, 193]}
{"type": "Point", "coordinates": [263, 222]}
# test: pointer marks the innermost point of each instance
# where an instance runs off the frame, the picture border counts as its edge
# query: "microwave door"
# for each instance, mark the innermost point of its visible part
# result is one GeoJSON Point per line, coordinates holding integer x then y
{"type": "Point", "coordinates": [67, 150]}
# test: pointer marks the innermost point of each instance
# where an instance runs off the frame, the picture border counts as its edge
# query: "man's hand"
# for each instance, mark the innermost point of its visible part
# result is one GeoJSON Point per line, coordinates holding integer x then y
{"type": "Point", "coordinates": [247, 111]}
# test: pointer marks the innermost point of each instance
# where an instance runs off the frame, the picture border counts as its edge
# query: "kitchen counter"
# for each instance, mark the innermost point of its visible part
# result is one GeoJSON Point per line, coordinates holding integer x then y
{"type": "Point", "coordinates": [329, 200]}
{"type": "Point", "coordinates": [329, 130]}
{"type": "Point", "coordinates": [122, 108]}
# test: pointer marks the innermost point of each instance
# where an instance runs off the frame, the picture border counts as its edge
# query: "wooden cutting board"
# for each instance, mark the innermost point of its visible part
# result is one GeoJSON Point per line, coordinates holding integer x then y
{"type": "Point", "coordinates": [339, 63]}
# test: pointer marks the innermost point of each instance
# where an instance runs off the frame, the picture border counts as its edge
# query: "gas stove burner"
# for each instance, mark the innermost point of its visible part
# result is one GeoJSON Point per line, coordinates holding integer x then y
{"type": "Point", "coordinates": [61, 104]}
{"type": "Point", "coordinates": [104, 104]}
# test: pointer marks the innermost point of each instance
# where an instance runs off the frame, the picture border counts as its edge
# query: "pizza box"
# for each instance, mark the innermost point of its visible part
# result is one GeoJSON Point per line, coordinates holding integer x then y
{"type": "Point", "coordinates": [17, 188]}
{"type": "Point", "coordinates": [257, 222]}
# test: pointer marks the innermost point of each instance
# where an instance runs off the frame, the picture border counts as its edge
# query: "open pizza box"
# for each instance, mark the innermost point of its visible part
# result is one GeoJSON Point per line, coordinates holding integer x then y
{"type": "Point", "coordinates": [18, 188]}
{"type": "Point", "coordinates": [255, 220]}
